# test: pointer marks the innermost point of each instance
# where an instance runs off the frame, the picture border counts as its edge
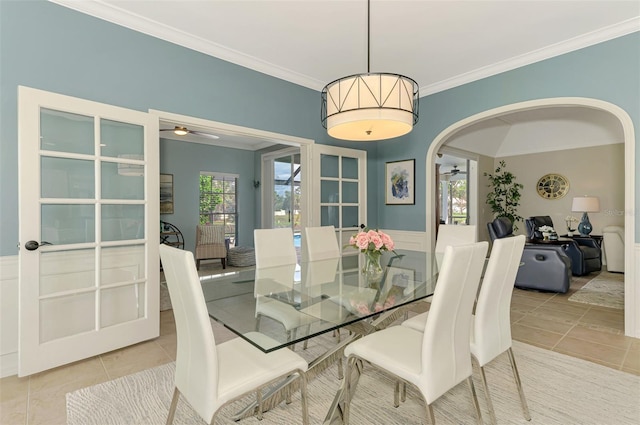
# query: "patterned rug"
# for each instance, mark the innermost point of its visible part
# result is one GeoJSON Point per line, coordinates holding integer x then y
{"type": "Point", "coordinates": [605, 290]}
{"type": "Point", "coordinates": [560, 390]}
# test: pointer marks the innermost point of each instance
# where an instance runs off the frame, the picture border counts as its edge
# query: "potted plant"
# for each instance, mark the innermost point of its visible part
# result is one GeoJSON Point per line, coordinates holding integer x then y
{"type": "Point", "coordinates": [505, 195]}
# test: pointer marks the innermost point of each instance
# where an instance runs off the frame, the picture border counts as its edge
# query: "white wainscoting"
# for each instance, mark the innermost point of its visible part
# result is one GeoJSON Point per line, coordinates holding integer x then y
{"type": "Point", "coordinates": [404, 239]}
{"type": "Point", "coordinates": [9, 319]}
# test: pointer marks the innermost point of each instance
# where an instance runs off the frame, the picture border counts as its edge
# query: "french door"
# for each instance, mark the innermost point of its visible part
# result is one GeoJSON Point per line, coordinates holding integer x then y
{"type": "Point", "coordinates": [89, 214]}
{"type": "Point", "coordinates": [340, 191]}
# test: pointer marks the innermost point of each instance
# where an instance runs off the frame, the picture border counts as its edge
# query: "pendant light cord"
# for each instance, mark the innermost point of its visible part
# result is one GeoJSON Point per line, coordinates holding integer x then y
{"type": "Point", "coordinates": [368, 36]}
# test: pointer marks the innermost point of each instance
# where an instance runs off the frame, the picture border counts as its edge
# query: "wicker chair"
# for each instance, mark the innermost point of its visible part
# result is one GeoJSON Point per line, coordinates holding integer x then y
{"type": "Point", "coordinates": [210, 244]}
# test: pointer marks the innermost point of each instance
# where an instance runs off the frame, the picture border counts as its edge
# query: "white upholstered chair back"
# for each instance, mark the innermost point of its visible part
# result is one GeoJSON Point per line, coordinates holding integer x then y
{"type": "Point", "coordinates": [453, 235]}
{"type": "Point", "coordinates": [274, 247]}
{"type": "Point", "coordinates": [491, 334]}
{"type": "Point", "coordinates": [321, 243]}
{"type": "Point", "coordinates": [613, 244]}
{"type": "Point", "coordinates": [196, 344]}
{"type": "Point", "coordinates": [446, 357]}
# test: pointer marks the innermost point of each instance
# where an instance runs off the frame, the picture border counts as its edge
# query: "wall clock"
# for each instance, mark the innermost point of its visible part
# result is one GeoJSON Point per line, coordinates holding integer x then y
{"type": "Point", "coordinates": [552, 186]}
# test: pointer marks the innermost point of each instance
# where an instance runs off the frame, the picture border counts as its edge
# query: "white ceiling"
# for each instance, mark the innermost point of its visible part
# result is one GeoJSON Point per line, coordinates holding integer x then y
{"type": "Point", "coordinates": [440, 44]}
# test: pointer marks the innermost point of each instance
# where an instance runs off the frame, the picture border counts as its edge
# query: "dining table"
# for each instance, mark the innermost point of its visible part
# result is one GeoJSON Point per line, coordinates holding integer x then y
{"type": "Point", "coordinates": [276, 308]}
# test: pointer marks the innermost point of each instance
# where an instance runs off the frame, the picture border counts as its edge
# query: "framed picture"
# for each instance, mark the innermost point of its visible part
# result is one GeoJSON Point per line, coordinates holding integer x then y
{"type": "Point", "coordinates": [166, 193]}
{"type": "Point", "coordinates": [404, 278]}
{"type": "Point", "coordinates": [400, 182]}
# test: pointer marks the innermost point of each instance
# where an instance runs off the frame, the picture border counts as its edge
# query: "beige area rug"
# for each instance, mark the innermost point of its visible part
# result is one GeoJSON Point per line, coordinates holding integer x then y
{"type": "Point", "coordinates": [560, 390]}
{"type": "Point", "coordinates": [605, 290]}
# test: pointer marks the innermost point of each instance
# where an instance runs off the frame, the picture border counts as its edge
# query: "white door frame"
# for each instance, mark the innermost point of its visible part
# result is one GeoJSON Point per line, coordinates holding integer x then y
{"type": "Point", "coordinates": [631, 287]}
{"type": "Point", "coordinates": [305, 145]}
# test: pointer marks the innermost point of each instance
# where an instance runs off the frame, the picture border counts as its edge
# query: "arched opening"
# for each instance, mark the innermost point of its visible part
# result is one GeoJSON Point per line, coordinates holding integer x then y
{"type": "Point", "coordinates": [632, 293]}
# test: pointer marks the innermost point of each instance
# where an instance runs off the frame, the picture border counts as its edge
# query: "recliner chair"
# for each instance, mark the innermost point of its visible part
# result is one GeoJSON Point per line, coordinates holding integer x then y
{"type": "Point", "coordinates": [544, 267]}
{"type": "Point", "coordinates": [585, 253]}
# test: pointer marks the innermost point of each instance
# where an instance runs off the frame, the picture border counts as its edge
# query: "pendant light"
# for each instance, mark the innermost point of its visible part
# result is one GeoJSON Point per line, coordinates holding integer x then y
{"type": "Point", "coordinates": [371, 106]}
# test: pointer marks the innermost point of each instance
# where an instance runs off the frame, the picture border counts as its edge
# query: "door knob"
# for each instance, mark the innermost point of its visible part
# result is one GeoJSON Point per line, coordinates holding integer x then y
{"type": "Point", "coordinates": [33, 245]}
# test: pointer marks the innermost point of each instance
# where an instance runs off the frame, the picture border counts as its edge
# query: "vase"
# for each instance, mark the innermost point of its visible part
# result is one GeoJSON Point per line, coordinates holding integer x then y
{"type": "Point", "coordinates": [372, 270]}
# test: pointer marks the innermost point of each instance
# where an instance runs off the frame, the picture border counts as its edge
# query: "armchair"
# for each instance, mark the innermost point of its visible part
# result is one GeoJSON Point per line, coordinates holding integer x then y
{"type": "Point", "coordinates": [210, 244]}
{"type": "Point", "coordinates": [584, 252]}
{"type": "Point", "coordinates": [544, 267]}
{"type": "Point", "coordinates": [613, 242]}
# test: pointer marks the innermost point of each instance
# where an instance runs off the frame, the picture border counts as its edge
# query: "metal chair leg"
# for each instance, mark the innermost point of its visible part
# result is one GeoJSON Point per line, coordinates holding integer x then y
{"type": "Point", "coordinates": [174, 404]}
{"type": "Point", "coordinates": [396, 394]}
{"type": "Point", "coordinates": [474, 399]}
{"type": "Point", "coordinates": [303, 398]}
{"type": "Point", "coordinates": [259, 403]}
{"type": "Point", "coordinates": [492, 413]}
{"type": "Point", "coordinates": [516, 376]}
{"type": "Point", "coordinates": [351, 363]}
{"type": "Point", "coordinates": [430, 415]}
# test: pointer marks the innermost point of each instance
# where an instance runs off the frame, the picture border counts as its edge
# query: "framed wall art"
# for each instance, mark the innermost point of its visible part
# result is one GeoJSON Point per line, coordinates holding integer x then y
{"type": "Point", "coordinates": [399, 182]}
{"type": "Point", "coordinates": [166, 193]}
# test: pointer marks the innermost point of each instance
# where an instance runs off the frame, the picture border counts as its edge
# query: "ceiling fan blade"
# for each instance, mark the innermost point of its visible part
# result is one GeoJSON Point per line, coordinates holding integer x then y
{"type": "Point", "coordinates": [202, 134]}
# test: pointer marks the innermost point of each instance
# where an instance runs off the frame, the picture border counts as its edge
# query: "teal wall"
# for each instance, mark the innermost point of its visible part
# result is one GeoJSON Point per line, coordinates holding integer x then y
{"type": "Point", "coordinates": [49, 47]}
{"type": "Point", "coordinates": [185, 161]}
{"type": "Point", "coordinates": [608, 71]}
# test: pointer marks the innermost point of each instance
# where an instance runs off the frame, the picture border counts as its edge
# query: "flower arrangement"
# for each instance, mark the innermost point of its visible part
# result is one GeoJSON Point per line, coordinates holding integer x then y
{"type": "Point", "coordinates": [570, 219]}
{"type": "Point", "coordinates": [371, 242]}
{"type": "Point", "coordinates": [548, 232]}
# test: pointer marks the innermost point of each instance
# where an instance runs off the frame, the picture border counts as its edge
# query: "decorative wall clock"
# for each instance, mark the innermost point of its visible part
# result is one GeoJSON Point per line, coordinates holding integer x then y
{"type": "Point", "coordinates": [552, 186]}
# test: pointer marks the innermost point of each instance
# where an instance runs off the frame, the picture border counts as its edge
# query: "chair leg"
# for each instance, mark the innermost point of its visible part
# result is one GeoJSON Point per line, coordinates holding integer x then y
{"type": "Point", "coordinates": [492, 413]}
{"type": "Point", "coordinates": [303, 398]}
{"type": "Point", "coordinates": [197, 264]}
{"type": "Point", "coordinates": [516, 376]}
{"type": "Point", "coordinates": [474, 399]}
{"type": "Point", "coordinates": [396, 393]}
{"type": "Point", "coordinates": [259, 403]}
{"type": "Point", "coordinates": [351, 363]}
{"type": "Point", "coordinates": [430, 415]}
{"type": "Point", "coordinates": [174, 404]}
{"type": "Point", "coordinates": [224, 263]}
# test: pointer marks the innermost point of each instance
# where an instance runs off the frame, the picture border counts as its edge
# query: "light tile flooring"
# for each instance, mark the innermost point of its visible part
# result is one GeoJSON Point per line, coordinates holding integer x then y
{"type": "Point", "coordinates": [546, 320]}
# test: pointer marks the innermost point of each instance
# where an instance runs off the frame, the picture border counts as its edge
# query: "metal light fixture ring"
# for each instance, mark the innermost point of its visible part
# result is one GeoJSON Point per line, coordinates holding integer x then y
{"type": "Point", "coordinates": [371, 106]}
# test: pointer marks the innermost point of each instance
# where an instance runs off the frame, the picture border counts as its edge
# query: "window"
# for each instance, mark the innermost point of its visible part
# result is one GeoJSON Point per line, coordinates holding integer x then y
{"type": "Point", "coordinates": [218, 194]}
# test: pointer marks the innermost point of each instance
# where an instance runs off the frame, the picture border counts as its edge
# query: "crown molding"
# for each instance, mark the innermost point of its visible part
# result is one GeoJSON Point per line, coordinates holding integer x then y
{"type": "Point", "coordinates": [567, 46]}
{"type": "Point", "coordinates": [119, 16]}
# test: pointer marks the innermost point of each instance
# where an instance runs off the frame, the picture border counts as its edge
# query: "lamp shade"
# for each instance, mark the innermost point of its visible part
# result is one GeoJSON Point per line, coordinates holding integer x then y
{"type": "Point", "coordinates": [368, 107]}
{"type": "Point", "coordinates": [586, 204]}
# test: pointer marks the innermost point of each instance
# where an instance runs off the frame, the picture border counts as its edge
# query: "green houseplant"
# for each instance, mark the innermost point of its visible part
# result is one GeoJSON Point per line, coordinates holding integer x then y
{"type": "Point", "coordinates": [505, 195]}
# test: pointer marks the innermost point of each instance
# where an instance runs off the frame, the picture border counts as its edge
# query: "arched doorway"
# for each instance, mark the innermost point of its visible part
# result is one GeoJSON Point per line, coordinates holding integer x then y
{"type": "Point", "coordinates": [632, 292]}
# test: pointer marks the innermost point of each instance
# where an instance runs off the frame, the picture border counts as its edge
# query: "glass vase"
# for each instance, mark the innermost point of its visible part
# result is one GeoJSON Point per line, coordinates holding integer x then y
{"type": "Point", "coordinates": [372, 270]}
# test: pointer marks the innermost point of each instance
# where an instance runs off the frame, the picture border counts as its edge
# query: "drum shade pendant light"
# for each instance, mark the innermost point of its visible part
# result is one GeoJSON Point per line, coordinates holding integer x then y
{"type": "Point", "coordinates": [371, 106]}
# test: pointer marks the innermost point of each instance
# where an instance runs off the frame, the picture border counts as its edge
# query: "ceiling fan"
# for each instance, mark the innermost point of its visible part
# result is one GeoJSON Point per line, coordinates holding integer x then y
{"type": "Point", "coordinates": [454, 171]}
{"type": "Point", "coordinates": [183, 131]}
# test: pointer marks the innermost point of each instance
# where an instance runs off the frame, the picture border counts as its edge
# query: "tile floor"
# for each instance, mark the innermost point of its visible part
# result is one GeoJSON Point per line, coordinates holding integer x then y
{"type": "Point", "coordinates": [546, 320]}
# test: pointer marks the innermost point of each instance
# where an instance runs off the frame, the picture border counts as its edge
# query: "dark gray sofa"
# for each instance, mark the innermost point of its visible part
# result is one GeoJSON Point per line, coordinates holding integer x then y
{"type": "Point", "coordinates": [545, 267]}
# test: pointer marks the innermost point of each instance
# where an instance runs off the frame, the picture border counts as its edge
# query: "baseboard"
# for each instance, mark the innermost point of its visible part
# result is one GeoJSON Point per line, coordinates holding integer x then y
{"type": "Point", "coordinates": [8, 364]}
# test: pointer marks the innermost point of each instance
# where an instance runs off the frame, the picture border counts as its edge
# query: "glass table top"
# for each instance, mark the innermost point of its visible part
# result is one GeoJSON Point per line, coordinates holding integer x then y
{"type": "Point", "coordinates": [279, 306]}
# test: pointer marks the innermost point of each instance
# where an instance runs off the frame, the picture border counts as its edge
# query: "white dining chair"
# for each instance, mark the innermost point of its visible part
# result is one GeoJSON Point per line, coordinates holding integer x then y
{"type": "Point", "coordinates": [439, 358]}
{"type": "Point", "coordinates": [275, 253]}
{"type": "Point", "coordinates": [274, 247]}
{"type": "Point", "coordinates": [210, 376]}
{"type": "Point", "coordinates": [491, 324]}
{"type": "Point", "coordinates": [321, 243]}
{"type": "Point", "coordinates": [453, 235]}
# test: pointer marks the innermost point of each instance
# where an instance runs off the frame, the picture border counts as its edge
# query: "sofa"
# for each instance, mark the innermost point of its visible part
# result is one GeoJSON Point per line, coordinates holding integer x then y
{"type": "Point", "coordinates": [613, 245]}
{"type": "Point", "coordinates": [545, 267]}
{"type": "Point", "coordinates": [584, 252]}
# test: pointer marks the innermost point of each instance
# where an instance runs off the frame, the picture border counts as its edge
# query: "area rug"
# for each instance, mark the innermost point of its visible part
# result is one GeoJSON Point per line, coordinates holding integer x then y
{"type": "Point", "coordinates": [605, 290]}
{"type": "Point", "coordinates": [559, 390]}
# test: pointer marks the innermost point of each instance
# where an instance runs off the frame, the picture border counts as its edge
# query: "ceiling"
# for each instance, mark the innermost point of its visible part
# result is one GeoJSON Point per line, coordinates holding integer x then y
{"type": "Point", "coordinates": [440, 44]}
